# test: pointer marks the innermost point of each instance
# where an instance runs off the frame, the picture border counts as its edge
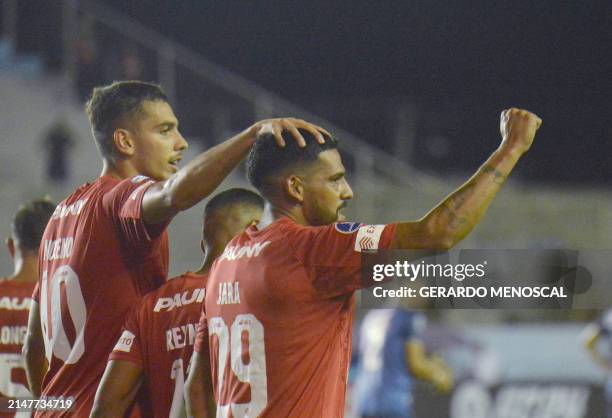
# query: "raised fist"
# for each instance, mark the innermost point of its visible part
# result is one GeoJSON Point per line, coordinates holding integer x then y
{"type": "Point", "coordinates": [518, 128]}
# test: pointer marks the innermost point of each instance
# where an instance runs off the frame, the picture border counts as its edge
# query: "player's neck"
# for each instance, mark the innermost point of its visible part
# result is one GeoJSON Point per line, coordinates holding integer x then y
{"type": "Point", "coordinates": [208, 262]}
{"type": "Point", "coordinates": [119, 170]}
{"type": "Point", "coordinates": [211, 253]}
{"type": "Point", "coordinates": [273, 212]}
{"type": "Point", "coordinates": [26, 269]}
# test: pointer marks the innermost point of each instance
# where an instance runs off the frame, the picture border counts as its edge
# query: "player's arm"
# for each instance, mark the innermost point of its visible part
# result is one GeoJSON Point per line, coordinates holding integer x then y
{"type": "Point", "coordinates": [201, 176]}
{"type": "Point", "coordinates": [34, 351]}
{"type": "Point", "coordinates": [199, 398]}
{"type": "Point", "coordinates": [429, 368]}
{"type": "Point", "coordinates": [117, 390]}
{"type": "Point", "coordinates": [451, 220]}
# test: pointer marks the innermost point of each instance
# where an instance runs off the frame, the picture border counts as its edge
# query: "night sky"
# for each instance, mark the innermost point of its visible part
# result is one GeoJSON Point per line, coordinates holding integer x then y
{"type": "Point", "coordinates": [460, 63]}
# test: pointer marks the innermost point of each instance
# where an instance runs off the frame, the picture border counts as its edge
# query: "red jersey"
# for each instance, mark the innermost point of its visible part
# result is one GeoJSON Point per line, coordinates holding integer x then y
{"type": "Point", "coordinates": [278, 318]}
{"type": "Point", "coordinates": [159, 335]}
{"type": "Point", "coordinates": [97, 258]}
{"type": "Point", "coordinates": [15, 301]}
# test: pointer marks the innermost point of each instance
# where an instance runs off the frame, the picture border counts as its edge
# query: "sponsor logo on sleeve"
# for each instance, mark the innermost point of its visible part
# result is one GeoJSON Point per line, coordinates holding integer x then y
{"type": "Point", "coordinates": [368, 237]}
{"type": "Point", "coordinates": [125, 342]}
{"type": "Point", "coordinates": [347, 227]}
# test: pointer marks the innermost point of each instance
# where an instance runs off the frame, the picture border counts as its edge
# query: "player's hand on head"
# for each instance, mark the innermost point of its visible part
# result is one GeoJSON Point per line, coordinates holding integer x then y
{"type": "Point", "coordinates": [518, 128]}
{"type": "Point", "coordinates": [291, 125]}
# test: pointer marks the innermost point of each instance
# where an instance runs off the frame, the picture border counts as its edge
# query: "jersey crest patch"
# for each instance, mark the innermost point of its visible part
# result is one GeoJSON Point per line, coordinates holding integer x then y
{"type": "Point", "coordinates": [368, 237]}
{"type": "Point", "coordinates": [347, 227]}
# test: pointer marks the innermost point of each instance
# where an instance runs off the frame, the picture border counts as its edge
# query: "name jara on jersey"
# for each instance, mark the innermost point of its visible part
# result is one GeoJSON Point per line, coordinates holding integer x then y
{"type": "Point", "coordinates": [229, 293]}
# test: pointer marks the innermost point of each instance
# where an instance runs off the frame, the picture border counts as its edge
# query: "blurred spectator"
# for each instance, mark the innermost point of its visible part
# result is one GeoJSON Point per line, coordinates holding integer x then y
{"type": "Point", "coordinates": [58, 141]}
{"type": "Point", "coordinates": [597, 338]}
{"type": "Point", "coordinates": [88, 74]}
{"type": "Point", "coordinates": [131, 64]}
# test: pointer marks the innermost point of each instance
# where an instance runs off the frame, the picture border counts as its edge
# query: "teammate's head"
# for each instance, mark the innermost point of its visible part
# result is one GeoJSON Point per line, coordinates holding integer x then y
{"type": "Point", "coordinates": [133, 121]}
{"type": "Point", "coordinates": [227, 214]}
{"type": "Point", "coordinates": [28, 226]}
{"type": "Point", "coordinates": [311, 178]}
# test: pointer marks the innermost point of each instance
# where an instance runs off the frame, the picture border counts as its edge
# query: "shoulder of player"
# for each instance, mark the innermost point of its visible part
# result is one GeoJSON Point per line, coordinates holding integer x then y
{"type": "Point", "coordinates": [174, 285]}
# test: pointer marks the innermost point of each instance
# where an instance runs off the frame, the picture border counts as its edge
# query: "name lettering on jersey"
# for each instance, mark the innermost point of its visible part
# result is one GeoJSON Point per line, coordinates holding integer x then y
{"type": "Point", "coordinates": [234, 252]}
{"type": "Point", "coordinates": [180, 299]}
{"type": "Point", "coordinates": [179, 337]}
{"type": "Point", "coordinates": [61, 211]}
{"type": "Point", "coordinates": [125, 342]}
{"type": "Point", "coordinates": [58, 249]}
{"type": "Point", "coordinates": [13, 335]}
{"type": "Point", "coordinates": [15, 303]}
{"type": "Point", "coordinates": [229, 293]}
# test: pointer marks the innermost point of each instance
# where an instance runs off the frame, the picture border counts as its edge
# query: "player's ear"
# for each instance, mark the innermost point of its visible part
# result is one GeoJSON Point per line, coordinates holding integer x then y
{"type": "Point", "coordinates": [10, 244]}
{"type": "Point", "coordinates": [294, 188]}
{"type": "Point", "coordinates": [124, 144]}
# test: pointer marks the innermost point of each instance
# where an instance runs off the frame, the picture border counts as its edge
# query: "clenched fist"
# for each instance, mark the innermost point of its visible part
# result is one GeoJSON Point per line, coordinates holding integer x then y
{"type": "Point", "coordinates": [518, 128]}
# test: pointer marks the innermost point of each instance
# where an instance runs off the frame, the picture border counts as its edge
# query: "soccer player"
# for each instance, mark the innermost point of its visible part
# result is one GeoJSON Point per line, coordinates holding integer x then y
{"type": "Point", "coordinates": [158, 336]}
{"type": "Point", "coordinates": [16, 294]}
{"type": "Point", "coordinates": [598, 340]}
{"type": "Point", "coordinates": [391, 356]}
{"type": "Point", "coordinates": [106, 244]}
{"type": "Point", "coordinates": [279, 300]}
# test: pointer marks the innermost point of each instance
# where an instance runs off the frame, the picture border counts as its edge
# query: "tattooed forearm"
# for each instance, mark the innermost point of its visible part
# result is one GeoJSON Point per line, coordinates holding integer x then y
{"type": "Point", "coordinates": [454, 207]}
{"type": "Point", "coordinates": [499, 178]}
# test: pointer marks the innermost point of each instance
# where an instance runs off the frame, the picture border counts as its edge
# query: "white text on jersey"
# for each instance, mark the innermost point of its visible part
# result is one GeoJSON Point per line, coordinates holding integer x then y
{"type": "Point", "coordinates": [58, 249]}
{"type": "Point", "coordinates": [13, 335]}
{"type": "Point", "coordinates": [15, 304]}
{"type": "Point", "coordinates": [229, 293]}
{"type": "Point", "coordinates": [61, 211]}
{"type": "Point", "coordinates": [179, 299]}
{"type": "Point", "coordinates": [234, 252]}
{"type": "Point", "coordinates": [178, 337]}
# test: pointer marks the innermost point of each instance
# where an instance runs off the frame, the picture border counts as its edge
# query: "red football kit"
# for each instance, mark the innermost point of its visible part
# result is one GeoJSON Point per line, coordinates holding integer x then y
{"type": "Point", "coordinates": [15, 300]}
{"type": "Point", "coordinates": [159, 336]}
{"type": "Point", "coordinates": [278, 315]}
{"type": "Point", "coordinates": [97, 258]}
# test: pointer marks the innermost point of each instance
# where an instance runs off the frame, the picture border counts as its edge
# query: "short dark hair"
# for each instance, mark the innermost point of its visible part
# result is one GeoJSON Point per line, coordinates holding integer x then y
{"type": "Point", "coordinates": [266, 159]}
{"type": "Point", "coordinates": [108, 104]}
{"type": "Point", "coordinates": [235, 196]}
{"type": "Point", "coordinates": [30, 222]}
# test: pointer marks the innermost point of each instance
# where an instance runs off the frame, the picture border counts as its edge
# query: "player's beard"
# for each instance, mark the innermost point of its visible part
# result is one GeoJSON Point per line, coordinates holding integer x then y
{"type": "Point", "coordinates": [339, 215]}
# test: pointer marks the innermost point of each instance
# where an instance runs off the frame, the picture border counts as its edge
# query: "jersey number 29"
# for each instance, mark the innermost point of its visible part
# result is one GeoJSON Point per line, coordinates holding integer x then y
{"type": "Point", "coordinates": [232, 342]}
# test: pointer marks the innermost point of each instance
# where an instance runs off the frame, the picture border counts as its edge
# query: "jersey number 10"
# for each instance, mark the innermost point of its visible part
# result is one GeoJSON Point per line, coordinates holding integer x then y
{"type": "Point", "coordinates": [56, 340]}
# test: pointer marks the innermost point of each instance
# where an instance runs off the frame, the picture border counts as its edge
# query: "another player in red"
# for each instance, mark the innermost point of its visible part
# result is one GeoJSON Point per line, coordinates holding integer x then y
{"type": "Point", "coordinates": [106, 244]}
{"type": "Point", "coordinates": [16, 295]}
{"type": "Point", "coordinates": [158, 336]}
{"type": "Point", "coordinates": [279, 301]}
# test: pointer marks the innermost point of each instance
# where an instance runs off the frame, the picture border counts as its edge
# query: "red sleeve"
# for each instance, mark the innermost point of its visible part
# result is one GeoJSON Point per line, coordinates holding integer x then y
{"type": "Point", "coordinates": [332, 254]}
{"type": "Point", "coordinates": [123, 204]}
{"type": "Point", "coordinates": [201, 341]}
{"type": "Point", "coordinates": [129, 345]}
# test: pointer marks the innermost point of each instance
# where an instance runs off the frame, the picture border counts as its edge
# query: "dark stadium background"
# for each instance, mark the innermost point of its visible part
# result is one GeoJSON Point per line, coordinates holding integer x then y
{"type": "Point", "coordinates": [458, 63]}
{"type": "Point", "coordinates": [453, 66]}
